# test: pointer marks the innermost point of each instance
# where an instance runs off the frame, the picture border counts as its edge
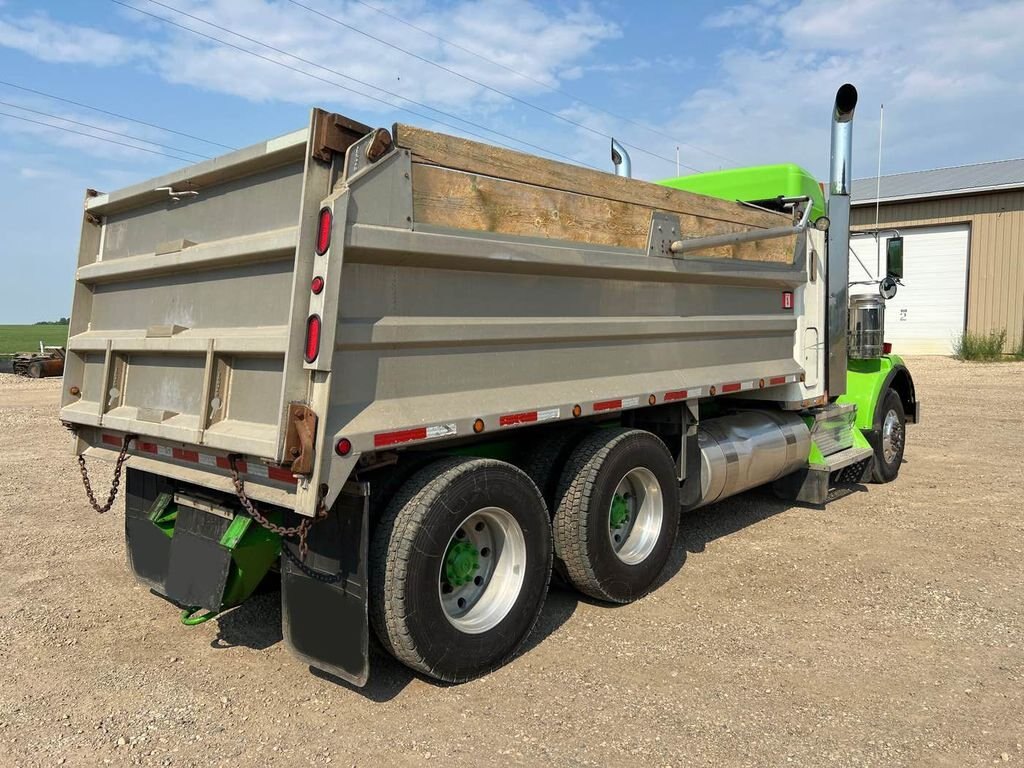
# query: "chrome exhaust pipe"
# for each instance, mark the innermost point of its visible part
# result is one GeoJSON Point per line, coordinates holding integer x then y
{"type": "Point", "coordinates": [620, 159]}
{"type": "Point", "coordinates": [838, 267]}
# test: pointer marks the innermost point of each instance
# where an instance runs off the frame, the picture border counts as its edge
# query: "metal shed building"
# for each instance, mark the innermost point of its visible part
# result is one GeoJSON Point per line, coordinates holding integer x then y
{"type": "Point", "coordinates": [963, 231]}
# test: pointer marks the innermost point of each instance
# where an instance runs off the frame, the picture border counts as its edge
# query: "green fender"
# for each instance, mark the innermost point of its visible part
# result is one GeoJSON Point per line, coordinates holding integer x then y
{"type": "Point", "coordinates": [867, 382]}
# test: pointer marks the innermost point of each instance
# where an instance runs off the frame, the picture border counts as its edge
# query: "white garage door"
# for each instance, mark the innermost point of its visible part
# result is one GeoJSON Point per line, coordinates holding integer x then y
{"type": "Point", "coordinates": [929, 309]}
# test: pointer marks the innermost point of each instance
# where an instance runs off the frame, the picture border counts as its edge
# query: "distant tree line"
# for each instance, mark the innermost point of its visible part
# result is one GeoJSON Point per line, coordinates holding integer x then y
{"type": "Point", "coordinates": [62, 321]}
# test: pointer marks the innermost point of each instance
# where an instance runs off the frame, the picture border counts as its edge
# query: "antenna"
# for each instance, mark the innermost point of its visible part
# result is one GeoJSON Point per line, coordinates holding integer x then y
{"type": "Point", "coordinates": [878, 193]}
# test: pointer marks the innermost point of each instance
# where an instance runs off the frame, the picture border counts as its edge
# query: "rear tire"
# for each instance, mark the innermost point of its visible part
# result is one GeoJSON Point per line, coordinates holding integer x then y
{"type": "Point", "coordinates": [891, 423]}
{"type": "Point", "coordinates": [546, 459]}
{"type": "Point", "coordinates": [459, 567]}
{"type": "Point", "coordinates": [618, 514]}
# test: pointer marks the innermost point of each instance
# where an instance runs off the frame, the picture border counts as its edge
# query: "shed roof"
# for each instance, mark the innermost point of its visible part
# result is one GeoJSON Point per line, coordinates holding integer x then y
{"type": "Point", "coordinates": [941, 182]}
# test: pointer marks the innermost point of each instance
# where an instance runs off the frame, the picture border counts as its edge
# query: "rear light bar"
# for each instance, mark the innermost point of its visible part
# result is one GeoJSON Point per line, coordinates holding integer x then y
{"type": "Point", "coordinates": [323, 231]}
{"type": "Point", "coordinates": [312, 338]}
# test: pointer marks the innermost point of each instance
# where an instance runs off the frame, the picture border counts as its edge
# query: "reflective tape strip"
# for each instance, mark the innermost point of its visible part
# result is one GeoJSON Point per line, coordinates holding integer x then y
{"type": "Point", "coordinates": [184, 455]}
{"type": "Point", "coordinates": [282, 474]}
{"type": "Point", "coordinates": [608, 405]}
{"type": "Point", "coordinates": [679, 394]}
{"type": "Point", "coordinates": [257, 469]}
{"type": "Point", "coordinates": [734, 386]}
{"type": "Point", "coordinates": [113, 440]}
{"type": "Point", "coordinates": [417, 433]}
{"type": "Point", "coordinates": [511, 419]}
{"type": "Point", "coordinates": [774, 380]}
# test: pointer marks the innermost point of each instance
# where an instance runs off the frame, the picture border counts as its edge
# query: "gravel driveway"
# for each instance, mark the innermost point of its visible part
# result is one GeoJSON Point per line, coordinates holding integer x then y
{"type": "Point", "coordinates": [886, 630]}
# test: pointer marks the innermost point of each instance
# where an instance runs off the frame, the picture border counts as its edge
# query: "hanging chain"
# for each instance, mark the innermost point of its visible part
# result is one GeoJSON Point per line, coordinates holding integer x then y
{"type": "Point", "coordinates": [114, 486]}
{"type": "Point", "coordinates": [301, 530]}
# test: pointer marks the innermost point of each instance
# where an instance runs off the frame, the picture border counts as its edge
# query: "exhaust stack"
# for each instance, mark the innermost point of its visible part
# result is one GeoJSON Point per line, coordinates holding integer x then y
{"type": "Point", "coordinates": [620, 159]}
{"type": "Point", "coordinates": [838, 267]}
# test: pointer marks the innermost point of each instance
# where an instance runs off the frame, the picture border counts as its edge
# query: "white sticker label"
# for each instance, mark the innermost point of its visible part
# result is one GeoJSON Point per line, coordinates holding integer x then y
{"type": "Point", "coordinates": [207, 459]}
{"type": "Point", "coordinates": [630, 402]}
{"type": "Point", "coordinates": [550, 413]}
{"type": "Point", "coordinates": [698, 392]}
{"type": "Point", "coordinates": [164, 450]}
{"type": "Point", "coordinates": [441, 430]}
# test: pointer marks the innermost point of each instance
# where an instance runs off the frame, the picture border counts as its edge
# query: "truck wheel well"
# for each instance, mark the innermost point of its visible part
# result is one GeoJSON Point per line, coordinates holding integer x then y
{"type": "Point", "coordinates": [903, 384]}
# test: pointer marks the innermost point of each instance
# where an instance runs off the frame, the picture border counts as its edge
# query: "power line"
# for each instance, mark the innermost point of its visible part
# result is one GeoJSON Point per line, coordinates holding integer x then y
{"type": "Point", "coordinates": [339, 85]}
{"type": "Point", "coordinates": [361, 82]}
{"type": "Point", "coordinates": [105, 130]}
{"type": "Point", "coordinates": [548, 86]}
{"type": "Point", "coordinates": [93, 136]}
{"type": "Point", "coordinates": [114, 114]}
{"type": "Point", "coordinates": [476, 82]}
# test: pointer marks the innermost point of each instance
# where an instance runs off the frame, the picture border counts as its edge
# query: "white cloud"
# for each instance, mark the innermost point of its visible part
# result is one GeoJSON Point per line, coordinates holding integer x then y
{"type": "Point", "coordinates": [948, 74]}
{"type": "Point", "coordinates": [40, 36]}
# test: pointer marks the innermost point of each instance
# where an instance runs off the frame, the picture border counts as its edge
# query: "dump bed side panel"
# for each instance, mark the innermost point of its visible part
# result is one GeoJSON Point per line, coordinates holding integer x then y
{"type": "Point", "coordinates": [449, 313]}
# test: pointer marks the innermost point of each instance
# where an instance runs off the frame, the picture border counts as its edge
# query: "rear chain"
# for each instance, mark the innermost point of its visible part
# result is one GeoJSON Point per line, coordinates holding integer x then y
{"type": "Point", "coordinates": [301, 530]}
{"type": "Point", "coordinates": [114, 486]}
{"type": "Point", "coordinates": [323, 578]}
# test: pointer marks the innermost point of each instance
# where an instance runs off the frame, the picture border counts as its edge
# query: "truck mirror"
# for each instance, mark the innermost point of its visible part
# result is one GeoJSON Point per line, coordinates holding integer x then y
{"type": "Point", "coordinates": [894, 257]}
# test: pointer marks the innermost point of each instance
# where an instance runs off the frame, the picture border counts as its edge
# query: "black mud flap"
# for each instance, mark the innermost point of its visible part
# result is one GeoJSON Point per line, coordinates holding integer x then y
{"type": "Point", "coordinates": [199, 565]}
{"type": "Point", "coordinates": [324, 599]}
{"type": "Point", "coordinates": [149, 548]}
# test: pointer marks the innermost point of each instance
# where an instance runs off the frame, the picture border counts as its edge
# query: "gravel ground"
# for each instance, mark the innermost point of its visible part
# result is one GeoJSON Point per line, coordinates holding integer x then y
{"type": "Point", "coordinates": [885, 630]}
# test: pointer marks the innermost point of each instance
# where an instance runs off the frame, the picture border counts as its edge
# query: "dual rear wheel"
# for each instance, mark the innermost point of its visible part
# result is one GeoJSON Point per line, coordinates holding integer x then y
{"type": "Point", "coordinates": [461, 557]}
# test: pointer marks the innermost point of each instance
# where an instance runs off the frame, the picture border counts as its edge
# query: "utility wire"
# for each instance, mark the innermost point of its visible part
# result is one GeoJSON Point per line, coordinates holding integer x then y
{"type": "Point", "coordinates": [469, 79]}
{"type": "Point", "coordinates": [356, 80]}
{"type": "Point", "coordinates": [94, 136]}
{"type": "Point", "coordinates": [105, 130]}
{"type": "Point", "coordinates": [344, 87]}
{"type": "Point", "coordinates": [114, 114]}
{"type": "Point", "coordinates": [541, 83]}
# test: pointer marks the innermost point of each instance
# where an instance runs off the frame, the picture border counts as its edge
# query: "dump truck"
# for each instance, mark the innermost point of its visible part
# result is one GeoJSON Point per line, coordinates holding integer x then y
{"type": "Point", "coordinates": [416, 376]}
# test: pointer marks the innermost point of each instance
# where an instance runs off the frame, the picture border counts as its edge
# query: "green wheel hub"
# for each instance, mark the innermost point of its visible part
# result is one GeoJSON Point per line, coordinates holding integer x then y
{"type": "Point", "coordinates": [619, 512]}
{"type": "Point", "coordinates": [460, 563]}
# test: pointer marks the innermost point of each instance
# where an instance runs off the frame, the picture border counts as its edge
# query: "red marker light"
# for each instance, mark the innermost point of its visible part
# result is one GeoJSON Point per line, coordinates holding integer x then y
{"type": "Point", "coordinates": [312, 338]}
{"type": "Point", "coordinates": [887, 347]}
{"type": "Point", "coordinates": [323, 232]}
{"type": "Point", "coordinates": [343, 447]}
{"type": "Point", "coordinates": [787, 299]}
{"type": "Point", "coordinates": [317, 285]}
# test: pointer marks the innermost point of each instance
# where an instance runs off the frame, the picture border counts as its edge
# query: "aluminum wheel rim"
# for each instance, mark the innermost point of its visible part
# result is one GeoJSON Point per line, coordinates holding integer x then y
{"type": "Point", "coordinates": [634, 537]}
{"type": "Point", "coordinates": [486, 598]}
{"type": "Point", "coordinates": [892, 436]}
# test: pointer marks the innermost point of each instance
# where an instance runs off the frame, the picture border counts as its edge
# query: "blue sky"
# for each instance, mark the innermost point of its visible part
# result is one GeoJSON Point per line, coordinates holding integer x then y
{"type": "Point", "coordinates": [730, 84]}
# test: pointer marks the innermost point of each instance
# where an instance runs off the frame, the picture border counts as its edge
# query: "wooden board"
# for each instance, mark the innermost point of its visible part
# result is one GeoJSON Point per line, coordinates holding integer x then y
{"type": "Point", "coordinates": [460, 200]}
{"type": "Point", "coordinates": [473, 157]}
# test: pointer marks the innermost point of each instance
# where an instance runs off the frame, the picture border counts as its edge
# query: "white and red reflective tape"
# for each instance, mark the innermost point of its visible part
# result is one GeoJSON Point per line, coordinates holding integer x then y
{"type": "Point", "coordinates": [384, 439]}
{"type": "Point", "coordinates": [528, 417]}
{"type": "Point", "coordinates": [255, 469]}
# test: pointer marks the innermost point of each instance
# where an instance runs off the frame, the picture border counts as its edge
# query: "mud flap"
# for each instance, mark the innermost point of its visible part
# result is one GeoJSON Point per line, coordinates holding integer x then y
{"type": "Point", "coordinates": [324, 599]}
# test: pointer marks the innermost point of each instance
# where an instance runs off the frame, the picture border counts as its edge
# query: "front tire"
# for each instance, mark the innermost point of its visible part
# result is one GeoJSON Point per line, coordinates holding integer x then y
{"type": "Point", "coordinates": [618, 514]}
{"type": "Point", "coordinates": [891, 423]}
{"type": "Point", "coordinates": [460, 565]}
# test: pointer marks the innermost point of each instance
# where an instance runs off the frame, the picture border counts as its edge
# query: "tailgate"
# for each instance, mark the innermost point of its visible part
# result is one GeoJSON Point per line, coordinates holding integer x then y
{"type": "Point", "coordinates": [190, 300]}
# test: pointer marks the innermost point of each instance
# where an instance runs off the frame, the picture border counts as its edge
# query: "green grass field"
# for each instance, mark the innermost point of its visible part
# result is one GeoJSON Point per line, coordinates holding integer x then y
{"type": "Point", "coordinates": [26, 338]}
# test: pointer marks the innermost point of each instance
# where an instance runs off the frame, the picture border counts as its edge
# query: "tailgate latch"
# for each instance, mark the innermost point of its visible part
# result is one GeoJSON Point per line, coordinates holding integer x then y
{"type": "Point", "coordinates": [299, 436]}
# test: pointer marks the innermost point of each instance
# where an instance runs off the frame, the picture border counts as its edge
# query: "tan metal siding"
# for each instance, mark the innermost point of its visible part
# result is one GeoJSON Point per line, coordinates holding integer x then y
{"type": "Point", "coordinates": [995, 282]}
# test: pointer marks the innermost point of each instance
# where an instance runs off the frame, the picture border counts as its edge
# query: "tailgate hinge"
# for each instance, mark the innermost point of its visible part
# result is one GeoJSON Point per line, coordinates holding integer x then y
{"type": "Point", "coordinates": [298, 440]}
{"type": "Point", "coordinates": [334, 133]}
